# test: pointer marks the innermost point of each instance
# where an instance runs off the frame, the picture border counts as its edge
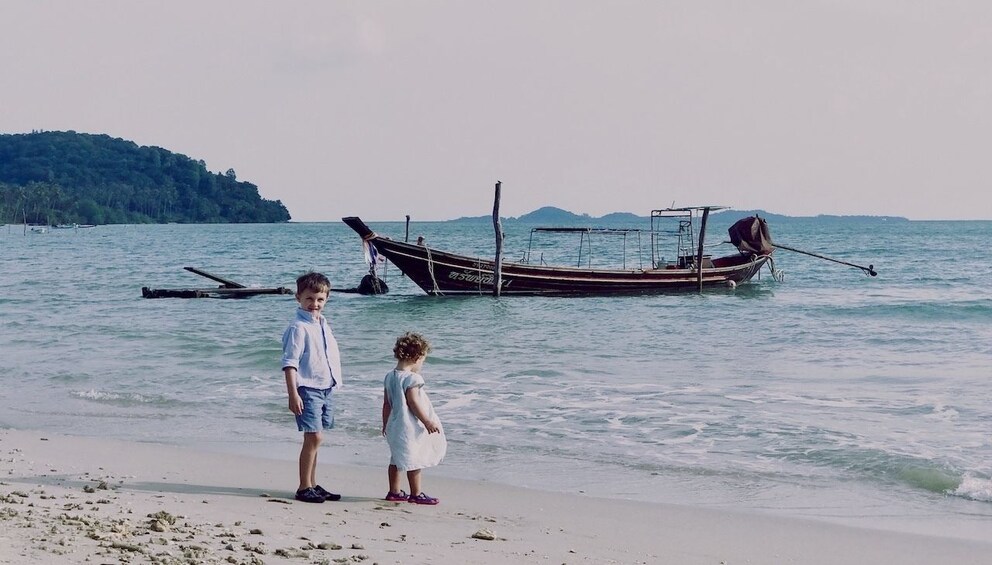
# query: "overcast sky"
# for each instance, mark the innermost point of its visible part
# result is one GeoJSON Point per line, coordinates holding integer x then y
{"type": "Point", "coordinates": [382, 109]}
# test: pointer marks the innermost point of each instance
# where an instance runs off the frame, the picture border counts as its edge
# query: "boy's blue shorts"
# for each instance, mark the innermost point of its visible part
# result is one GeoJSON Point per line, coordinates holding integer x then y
{"type": "Point", "coordinates": [318, 409]}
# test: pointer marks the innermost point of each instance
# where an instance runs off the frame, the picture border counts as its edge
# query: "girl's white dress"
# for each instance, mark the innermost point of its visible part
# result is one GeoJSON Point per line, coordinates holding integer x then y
{"type": "Point", "coordinates": [410, 446]}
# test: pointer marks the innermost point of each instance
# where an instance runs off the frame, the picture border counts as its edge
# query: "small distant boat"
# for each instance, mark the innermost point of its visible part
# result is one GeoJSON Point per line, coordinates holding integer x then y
{"type": "Point", "coordinates": [38, 229]}
{"type": "Point", "coordinates": [441, 273]}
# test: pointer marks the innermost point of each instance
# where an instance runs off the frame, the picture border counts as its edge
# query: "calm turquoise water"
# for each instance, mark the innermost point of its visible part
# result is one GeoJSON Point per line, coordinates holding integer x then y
{"type": "Point", "coordinates": [829, 395]}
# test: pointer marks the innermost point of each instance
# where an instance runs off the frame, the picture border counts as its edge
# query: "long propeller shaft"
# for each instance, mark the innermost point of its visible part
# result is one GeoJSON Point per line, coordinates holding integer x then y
{"type": "Point", "coordinates": [869, 270]}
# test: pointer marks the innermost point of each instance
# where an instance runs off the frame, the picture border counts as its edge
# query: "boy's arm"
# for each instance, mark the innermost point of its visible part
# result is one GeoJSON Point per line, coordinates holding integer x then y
{"type": "Point", "coordinates": [386, 409]}
{"type": "Point", "coordinates": [293, 344]}
{"type": "Point", "coordinates": [295, 402]}
{"type": "Point", "coordinates": [413, 401]}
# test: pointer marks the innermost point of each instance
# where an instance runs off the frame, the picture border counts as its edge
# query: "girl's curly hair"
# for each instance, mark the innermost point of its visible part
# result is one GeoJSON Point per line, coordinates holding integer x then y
{"type": "Point", "coordinates": [411, 346]}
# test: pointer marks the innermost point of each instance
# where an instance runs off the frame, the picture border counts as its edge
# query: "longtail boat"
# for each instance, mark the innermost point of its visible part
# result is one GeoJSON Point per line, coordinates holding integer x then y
{"type": "Point", "coordinates": [441, 273]}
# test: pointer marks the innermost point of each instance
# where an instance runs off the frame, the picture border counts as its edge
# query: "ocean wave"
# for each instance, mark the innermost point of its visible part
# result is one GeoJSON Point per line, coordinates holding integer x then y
{"type": "Point", "coordinates": [917, 310]}
{"type": "Point", "coordinates": [875, 465]}
{"type": "Point", "coordinates": [929, 478]}
{"type": "Point", "coordinates": [123, 398]}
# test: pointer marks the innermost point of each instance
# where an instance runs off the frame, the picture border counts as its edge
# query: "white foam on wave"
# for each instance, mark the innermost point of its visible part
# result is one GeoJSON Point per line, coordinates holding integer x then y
{"type": "Point", "coordinates": [974, 488]}
{"type": "Point", "coordinates": [686, 438]}
{"type": "Point", "coordinates": [803, 400]}
{"type": "Point", "coordinates": [460, 401]}
{"type": "Point", "coordinates": [743, 398]}
{"type": "Point", "coordinates": [253, 387]}
{"type": "Point", "coordinates": [940, 412]}
{"type": "Point", "coordinates": [99, 395]}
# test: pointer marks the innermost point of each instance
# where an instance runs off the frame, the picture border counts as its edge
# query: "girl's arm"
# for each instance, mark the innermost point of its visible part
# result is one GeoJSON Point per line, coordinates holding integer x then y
{"type": "Point", "coordinates": [386, 409]}
{"type": "Point", "coordinates": [413, 401]}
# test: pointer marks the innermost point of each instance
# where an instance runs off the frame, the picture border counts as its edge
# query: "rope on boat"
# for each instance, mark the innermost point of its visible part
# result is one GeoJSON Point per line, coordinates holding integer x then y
{"type": "Point", "coordinates": [777, 274]}
{"type": "Point", "coordinates": [430, 269]}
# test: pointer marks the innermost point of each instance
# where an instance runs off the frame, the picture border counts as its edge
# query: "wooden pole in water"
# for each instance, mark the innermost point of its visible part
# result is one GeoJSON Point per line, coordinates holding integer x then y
{"type": "Point", "coordinates": [407, 239]}
{"type": "Point", "coordinates": [227, 283]}
{"type": "Point", "coordinates": [699, 254]}
{"type": "Point", "coordinates": [498, 262]}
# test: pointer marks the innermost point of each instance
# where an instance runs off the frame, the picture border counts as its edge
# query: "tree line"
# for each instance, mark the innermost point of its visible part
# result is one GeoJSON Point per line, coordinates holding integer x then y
{"type": "Point", "coordinates": [55, 178]}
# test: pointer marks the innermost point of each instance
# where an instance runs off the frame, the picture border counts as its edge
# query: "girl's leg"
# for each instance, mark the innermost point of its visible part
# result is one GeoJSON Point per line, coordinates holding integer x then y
{"type": "Point", "coordinates": [394, 479]}
{"type": "Point", "coordinates": [308, 459]}
{"type": "Point", "coordinates": [413, 477]}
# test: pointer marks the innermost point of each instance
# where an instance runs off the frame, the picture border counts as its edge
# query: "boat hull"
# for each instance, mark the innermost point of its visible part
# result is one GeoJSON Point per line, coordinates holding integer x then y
{"type": "Point", "coordinates": [442, 273]}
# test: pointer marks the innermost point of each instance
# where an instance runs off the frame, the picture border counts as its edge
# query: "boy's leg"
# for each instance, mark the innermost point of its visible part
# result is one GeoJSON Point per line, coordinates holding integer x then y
{"type": "Point", "coordinates": [413, 477]}
{"type": "Point", "coordinates": [326, 423]}
{"type": "Point", "coordinates": [308, 459]}
{"type": "Point", "coordinates": [394, 479]}
{"type": "Point", "coordinates": [313, 464]}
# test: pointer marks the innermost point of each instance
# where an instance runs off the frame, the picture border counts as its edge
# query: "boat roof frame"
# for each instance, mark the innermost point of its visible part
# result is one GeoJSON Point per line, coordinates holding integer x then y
{"type": "Point", "coordinates": [685, 209]}
{"type": "Point", "coordinates": [585, 230]}
{"type": "Point", "coordinates": [690, 214]}
{"type": "Point", "coordinates": [657, 213]}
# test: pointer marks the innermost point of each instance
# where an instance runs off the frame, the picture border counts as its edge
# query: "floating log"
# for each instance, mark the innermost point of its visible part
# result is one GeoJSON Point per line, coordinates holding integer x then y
{"type": "Point", "coordinates": [219, 292]}
{"type": "Point", "coordinates": [228, 289]}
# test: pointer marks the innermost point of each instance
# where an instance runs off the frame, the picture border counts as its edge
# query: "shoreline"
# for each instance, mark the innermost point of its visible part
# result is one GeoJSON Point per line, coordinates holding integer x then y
{"type": "Point", "coordinates": [851, 504]}
{"type": "Point", "coordinates": [68, 499]}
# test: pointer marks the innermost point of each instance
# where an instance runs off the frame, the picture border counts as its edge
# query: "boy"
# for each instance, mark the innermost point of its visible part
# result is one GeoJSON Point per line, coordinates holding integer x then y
{"type": "Point", "coordinates": [311, 364]}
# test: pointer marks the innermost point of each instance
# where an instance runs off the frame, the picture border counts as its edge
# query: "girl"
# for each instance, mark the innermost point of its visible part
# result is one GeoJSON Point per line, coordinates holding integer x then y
{"type": "Point", "coordinates": [412, 429]}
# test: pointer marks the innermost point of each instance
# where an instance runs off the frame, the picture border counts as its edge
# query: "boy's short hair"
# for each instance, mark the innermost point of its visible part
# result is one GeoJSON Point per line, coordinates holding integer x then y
{"type": "Point", "coordinates": [411, 346]}
{"type": "Point", "coordinates": [312, 281]}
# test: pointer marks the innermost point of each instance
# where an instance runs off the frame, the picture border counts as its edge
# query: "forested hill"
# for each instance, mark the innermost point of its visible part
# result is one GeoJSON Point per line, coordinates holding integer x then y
{"type": "Point", "coordinates": [67, 177]}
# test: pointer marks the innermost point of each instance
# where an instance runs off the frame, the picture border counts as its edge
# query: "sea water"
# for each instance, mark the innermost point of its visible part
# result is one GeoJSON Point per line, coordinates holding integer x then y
{"type": "Point", "coordinates": [827, 395]}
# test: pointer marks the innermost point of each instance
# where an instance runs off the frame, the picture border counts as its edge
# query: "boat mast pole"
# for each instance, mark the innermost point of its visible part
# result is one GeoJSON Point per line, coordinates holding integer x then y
{"type": "Point", "coordinates": [407, 239]}
{"type": "Point", "coordinates": [498, 262]}
{"type": "Point", "coordinates": [699, 254]}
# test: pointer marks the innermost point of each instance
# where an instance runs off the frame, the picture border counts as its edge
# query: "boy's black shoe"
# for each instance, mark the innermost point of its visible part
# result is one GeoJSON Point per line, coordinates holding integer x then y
{"type": "Point", "coordinates": [328, 495]}
{"type": "Point", "coordinates": [309, 495]}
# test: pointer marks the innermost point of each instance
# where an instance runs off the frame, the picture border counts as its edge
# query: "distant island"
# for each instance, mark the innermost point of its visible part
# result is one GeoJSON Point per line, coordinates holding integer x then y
{"type": "Point", "coordinates": [54, 177]}
{"type": "Point", "coordinates": [551, 216]}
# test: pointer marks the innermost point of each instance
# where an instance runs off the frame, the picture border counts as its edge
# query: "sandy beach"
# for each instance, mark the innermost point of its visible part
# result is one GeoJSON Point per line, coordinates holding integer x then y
{"type": "Point", "coordinates": [82, 500]}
